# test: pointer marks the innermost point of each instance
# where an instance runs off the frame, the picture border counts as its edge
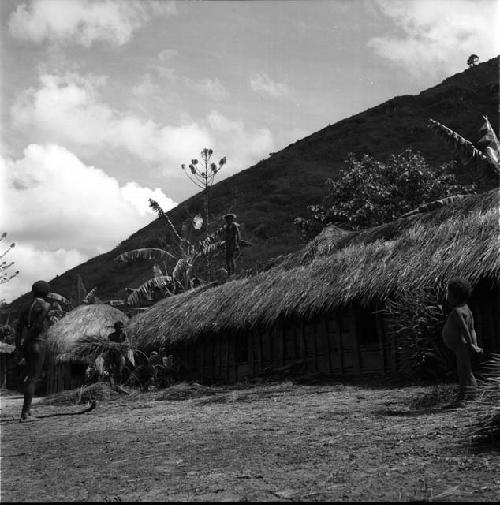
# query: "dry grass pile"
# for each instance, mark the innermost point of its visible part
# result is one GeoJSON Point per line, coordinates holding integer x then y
{"type": "Point", "coordinates": [438, 396]}
{"type": "Point", "coordinates": [101, 391]}
{"type": "Point", "coordinates": [186, 391]}
{"type": "Point", "coordinates": [487, 404]}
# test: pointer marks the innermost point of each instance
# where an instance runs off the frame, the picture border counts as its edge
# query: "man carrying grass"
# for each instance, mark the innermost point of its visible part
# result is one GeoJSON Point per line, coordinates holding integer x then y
{"type": "Point", "coordinates": [116, 360]}
{"type": "Point", "coordinates": [459, 335]}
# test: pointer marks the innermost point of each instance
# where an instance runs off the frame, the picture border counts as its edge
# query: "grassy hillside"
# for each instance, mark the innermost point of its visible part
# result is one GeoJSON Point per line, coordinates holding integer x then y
{"type": "Point", "coordinates": [269, 195]}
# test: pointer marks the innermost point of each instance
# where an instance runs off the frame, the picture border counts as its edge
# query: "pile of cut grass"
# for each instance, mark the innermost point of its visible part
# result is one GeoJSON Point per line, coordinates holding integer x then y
{"type": "Point", "coordinates": [486, 406]}
{"type": "Point", "coordinates": [437, 396]}
{"type": "Point", "coordinates": [100, 391]}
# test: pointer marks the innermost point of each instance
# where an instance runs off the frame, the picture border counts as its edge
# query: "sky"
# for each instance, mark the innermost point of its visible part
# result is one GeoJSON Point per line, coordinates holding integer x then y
{"type": "Point", "coordinates": [103, 100]}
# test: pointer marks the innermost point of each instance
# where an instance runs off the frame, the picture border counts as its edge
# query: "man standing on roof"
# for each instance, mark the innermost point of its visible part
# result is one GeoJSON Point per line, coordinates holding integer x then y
{"type": "Point", "coordinates": [31, 336]}
{"type": "Point", "coordinates": [232, 237]}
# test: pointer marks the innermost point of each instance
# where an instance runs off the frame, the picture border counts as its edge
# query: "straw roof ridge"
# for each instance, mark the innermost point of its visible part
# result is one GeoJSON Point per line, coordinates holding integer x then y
{"type": "Point", "coordinates": [419, 250]}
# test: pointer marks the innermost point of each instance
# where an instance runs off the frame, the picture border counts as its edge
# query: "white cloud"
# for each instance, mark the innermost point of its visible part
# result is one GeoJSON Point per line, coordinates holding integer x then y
{"type": "Point", "coordinates": [212, 88]}
{"type": "Point", "coordinates": [37, 264]}
{"type": "Point", "coordinates": [83, 21]}
{"type": "Point", "coordinates": [146, 87]}
{"type": "Point", "coordinates": [167, 55]}
{"type": "Point", "coordinates": [262, 83]}
{"type": "Point", "coordinates": [55, 206]}
{"type": "Point", "coordinates": [437, 37]}
{"type": "Point", "coordinates": [68, 110]}
{"type": "Point", "coordinates": [162, 64]}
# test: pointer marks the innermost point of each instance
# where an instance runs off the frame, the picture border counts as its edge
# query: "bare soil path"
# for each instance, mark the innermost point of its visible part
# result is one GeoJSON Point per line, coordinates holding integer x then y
{"type": "Point", "coordinates": [272, 442]}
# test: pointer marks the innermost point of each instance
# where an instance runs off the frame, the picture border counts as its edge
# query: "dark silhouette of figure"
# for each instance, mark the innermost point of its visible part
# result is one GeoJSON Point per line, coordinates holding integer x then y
{"type": "Point", "coordinates": [31, 336]}
{"type": "Point", "coordinates": [232, 237]}
{"type": "Point", "coordinates": [116, 360]}
{"type": "Point", "coordinates": [459, 335]}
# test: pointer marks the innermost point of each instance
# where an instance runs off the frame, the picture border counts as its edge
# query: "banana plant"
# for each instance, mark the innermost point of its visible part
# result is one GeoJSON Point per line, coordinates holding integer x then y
{"type": "Point", "coordinates": [162, 283]}
{"type": "Point", "coordinates": [187, 252]}
{"type": "Point", "coordinates": [466, 149]}
{"type": "Point", "coordinates": [5, 265]}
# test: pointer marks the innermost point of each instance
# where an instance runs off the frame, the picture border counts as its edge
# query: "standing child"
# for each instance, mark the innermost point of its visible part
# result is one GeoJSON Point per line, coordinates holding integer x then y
{"type": "Point", "coordinates": [459, 335]}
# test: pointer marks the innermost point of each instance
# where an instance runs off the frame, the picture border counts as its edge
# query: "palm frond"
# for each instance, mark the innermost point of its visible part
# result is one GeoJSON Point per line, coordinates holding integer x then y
{"type": "Point", "coordinates": [146, 253]}
{"type": "Point", "coordinates": [464, 147]}
{"type": "Point", "coordinates": [435, 204]}
{"type": "Point", "coordinates": [163, 283]}
{"type": "Point", "coordinates": [58, 298]}
{"type": "Point", "coordinates": [487, 402]}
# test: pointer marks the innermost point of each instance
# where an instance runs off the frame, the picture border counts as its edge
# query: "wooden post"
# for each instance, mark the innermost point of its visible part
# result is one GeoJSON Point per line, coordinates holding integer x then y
{"type": "Point", "coordinates": [228, 343]}
{"type": "Point", "coordinates": [295, 341]}
{"type": "Point", "coordinates": [381, 339]}
{"type": "Point", "coordinates": [261, 350]}
{"type": "Point", "coordinates": [340, 344]}
{"type": "Point", "coordinates": [316, 346]}
{"type": "Point", "coordinates": [283, 343]}
{"type": "Point", "coordinates": [202, 361]}
{"type": "Point", "coordinates": [302, 343]}
{"type": "Point", "coordinates": [235, 361]}
{"type": "Point", "coordinates": [218, 356]}
{"type": "Point", "coordinates": [272, 345]}
{"type": "Point", "coordinates": [212, 355]}
{"type": "Point", "coordinates": [353, 328]}
{"type": "Point", "coordinates": [251, 352]}
{"type": "Point", "coordinates": [394, 353]}
{"type": "Point", "coordinates": [328, 345]}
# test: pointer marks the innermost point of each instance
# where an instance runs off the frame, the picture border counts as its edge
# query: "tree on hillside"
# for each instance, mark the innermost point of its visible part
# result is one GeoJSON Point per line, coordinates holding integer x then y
{"type": "Point", "coordinates": [5, 274]}
{"type": "Point", "coordinates": [203, 175]}
{"type": "Point", "coordinates": [370, 192]}
{"type": "Point", "coordinates": [472, 60]}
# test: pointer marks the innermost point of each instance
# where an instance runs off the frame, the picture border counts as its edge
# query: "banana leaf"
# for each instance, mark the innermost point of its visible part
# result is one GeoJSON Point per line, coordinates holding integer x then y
{"type": "Point", "coordinates": [147, 253]}
{"type": "Point", "coordinates": [163, 283]}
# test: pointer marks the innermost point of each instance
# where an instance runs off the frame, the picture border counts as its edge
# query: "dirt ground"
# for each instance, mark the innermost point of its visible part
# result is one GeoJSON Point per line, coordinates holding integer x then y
{"type": "Point", "coordinates": [274, 442]}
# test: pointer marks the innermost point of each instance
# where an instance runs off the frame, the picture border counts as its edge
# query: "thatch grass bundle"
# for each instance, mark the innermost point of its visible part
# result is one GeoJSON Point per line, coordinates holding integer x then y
{"type": "Point", "coordinates": [415, 320]}
{"type": "Point", "coordinates": [374, 265]}
{"type": "Point", "coordinates": [487, 403]}
{"type": "Point", "coordinates": [437, 396]}
{"type": "Point", "coordinates": [100, 391]}
{"type": "Point", "coordinates": [84, 322]}
{"type": "Point", "coordinates": [89, 348]}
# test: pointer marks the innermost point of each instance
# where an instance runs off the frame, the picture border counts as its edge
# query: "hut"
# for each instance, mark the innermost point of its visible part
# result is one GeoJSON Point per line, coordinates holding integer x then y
{"type": "Point", "coordinates": [321, 307]}
{"type": "Point", "coordinates": [63, 370]}
{"type": "Point", "coordinates": [9, 376]}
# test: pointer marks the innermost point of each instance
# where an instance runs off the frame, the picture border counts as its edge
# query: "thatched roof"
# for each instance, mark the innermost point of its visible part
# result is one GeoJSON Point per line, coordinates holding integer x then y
{"type": "Point", "coordinates": [93, 320]}
{"type": "Point", "coordinates": [460, 239]}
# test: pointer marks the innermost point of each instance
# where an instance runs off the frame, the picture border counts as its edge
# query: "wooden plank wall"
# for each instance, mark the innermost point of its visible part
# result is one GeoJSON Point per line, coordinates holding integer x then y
{"type": "Point", "coordinates": [330, 345]}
